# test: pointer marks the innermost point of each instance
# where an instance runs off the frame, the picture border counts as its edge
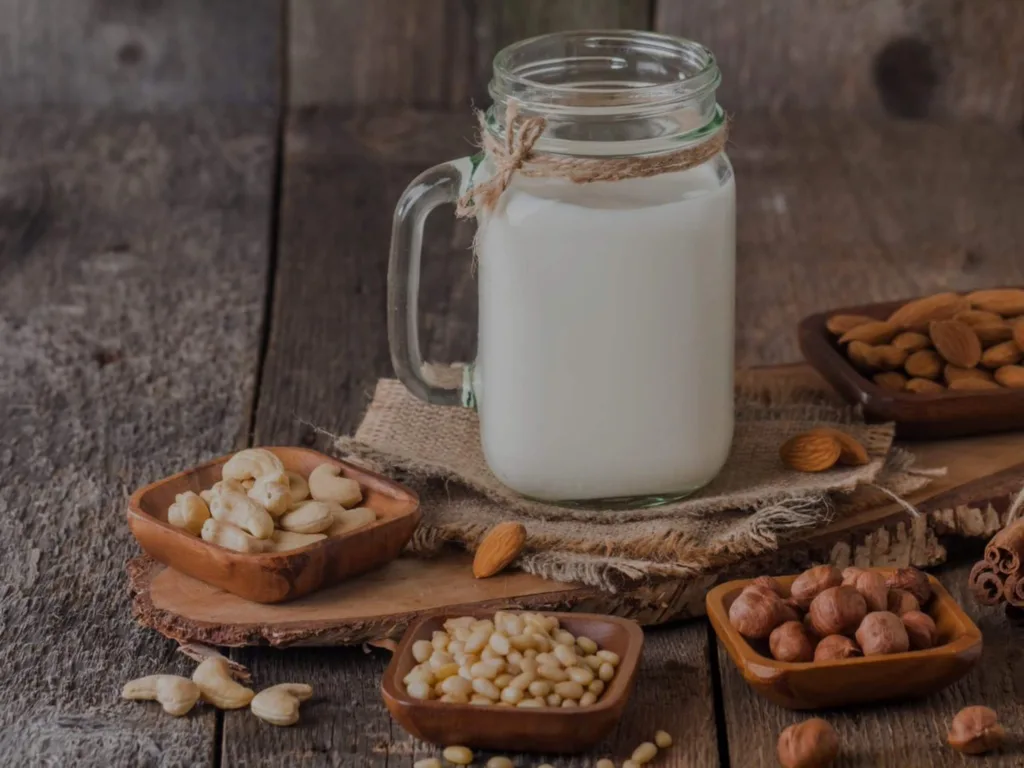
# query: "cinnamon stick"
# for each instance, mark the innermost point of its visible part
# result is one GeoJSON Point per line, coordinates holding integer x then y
{"type": "Point", "coordinates": [1005, 551]}
{"type": "Point", "coordinates": [985, 584]}
{"type": "Point", "coordinates": [1013, 590]}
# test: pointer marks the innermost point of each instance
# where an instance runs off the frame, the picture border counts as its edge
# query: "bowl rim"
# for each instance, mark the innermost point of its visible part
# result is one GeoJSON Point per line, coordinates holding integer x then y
{"type": "Point", "coordinates": [629, 661]}
{"type": "Point", "coordinates": [744, 652]}
{"type": "Point", "coordinates": [380, 483]}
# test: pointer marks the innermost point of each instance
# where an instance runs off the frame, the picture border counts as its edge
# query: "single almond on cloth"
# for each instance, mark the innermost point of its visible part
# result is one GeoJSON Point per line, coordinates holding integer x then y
{"type": "Point", "coordinates": [972, 385]}
{"type": "Point", "coordinates": [1011, 376]}
{"type": "Point", "coordinates": [810, 452]}
{"type": "Point", "coordinates": [911, 341]}
{"type": "Point", "coordinates": [954, 372]}
{"type": "Point", "coordinates": [891, 380]}
{"type": "Point", "coordinates": [993, 333]}
{"type": "Point", "coordinates": [917, 314]}
{"type": "Point", "coordinates": [956, 342]}
{"type": "Point", "coordinates": [851, 452]}
{"type": "Point", "coordinates": [1002, 301]}
{"type": "Point", "coordinates": [1007, 353]}
{"type": "Point", "coordinates": [924, 387]}
{"type": "Point", "coordinates": [499, 547]}
{"type": "Point", "coordinates": [977, 317]}
{"type": "Point", "coordinates": [875, 332]}
{"type": "Point", "coordinates": [840, 324]}
{"type": "Point", "coordinates": [924, 364]}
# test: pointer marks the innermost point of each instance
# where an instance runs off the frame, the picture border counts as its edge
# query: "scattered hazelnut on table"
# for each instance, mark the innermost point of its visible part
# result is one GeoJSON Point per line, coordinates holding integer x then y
{"type": "Point", "coordinates": [838, 611]}
{"type": "Point", "coordinates": [810, 744]}
{"type": "Point", "coordinates": [920, 629]}
{"type": "Point", "coordinates": [789, 642]}
{"type": "Point", "coordinates": [882, 633]}
{"type": "Point", "coordinates": [813, 582]}
{"type": "Point", "coordinates": [835, 647]}
{"type": "Point", "coordinates": [913, 581]}
{"type": "Point", "coordinates": [975, 731]}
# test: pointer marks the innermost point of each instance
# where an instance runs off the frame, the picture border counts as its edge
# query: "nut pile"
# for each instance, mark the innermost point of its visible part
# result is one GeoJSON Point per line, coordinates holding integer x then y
{"type": "Point", "coordinates": [515, 660]}
{"type": "Point", "coordinates": [940, 342]}
{"type": "Point", "coordinates": [213, 683]}
{"type": "Point", "coordinates": [258, 506]}
{"type": "Point", "coordinates": [830, 615]}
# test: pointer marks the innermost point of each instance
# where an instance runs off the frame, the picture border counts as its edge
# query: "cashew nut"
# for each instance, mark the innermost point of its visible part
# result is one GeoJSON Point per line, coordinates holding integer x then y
{"type": "Point", "coordinates": [271, 491]}
{"type": "Point", "coordinates": [308, 517]}
{"type": "Point", "coordinates": [213, 676]}
{"type": "Point", "coordinates": [252, 463]}
{"type": "Point", "coordinates": [346, 520]}
{"type": "Point", "coordinates": [282, 541]}
{"type": "Point", "coordinates": [297, 486]}
{"type": "Point", "coordinates": [326, 484]}
{"type": "Point", "coordinates": [188, 512]}
{"type": "Point", "coordinates": [279, 704]}
{"type": "Point", "coordinates": [230, 504]}
{"type": "Point", "coordinates": [231, 537]}
{"type": "Point", "coordinates": [177, 695]}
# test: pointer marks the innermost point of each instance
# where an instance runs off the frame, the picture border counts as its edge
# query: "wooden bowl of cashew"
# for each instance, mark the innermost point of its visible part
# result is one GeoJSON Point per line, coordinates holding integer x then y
{"type": "Point", "coordinates": [250, 562]}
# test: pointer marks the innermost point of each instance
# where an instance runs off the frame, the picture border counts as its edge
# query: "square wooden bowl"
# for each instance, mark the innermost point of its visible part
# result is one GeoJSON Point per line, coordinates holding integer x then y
{"type": "Point", "coordinates": [278, 576]}
{"type": "Point", "coordinates": [813, 685]}
{"type": "Point", "coordinates": [928, 416]}
{"type": "Point", "coordinates": [508, 728]}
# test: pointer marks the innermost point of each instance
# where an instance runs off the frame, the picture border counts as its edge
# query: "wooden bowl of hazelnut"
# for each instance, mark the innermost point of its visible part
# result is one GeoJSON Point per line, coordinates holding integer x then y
{"type": "Point", "coordinates": [828, 638]}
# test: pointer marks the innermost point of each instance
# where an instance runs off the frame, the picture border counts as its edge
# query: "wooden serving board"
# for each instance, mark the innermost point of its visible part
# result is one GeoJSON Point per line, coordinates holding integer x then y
{"type": "Point", "coordinates": [983, 475]}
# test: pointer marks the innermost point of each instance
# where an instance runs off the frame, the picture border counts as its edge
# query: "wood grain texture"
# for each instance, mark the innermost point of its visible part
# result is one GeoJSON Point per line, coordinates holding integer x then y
{"type": "Point", "coordinates": [939, 59]}
{"type": "Point", "coordinates": [154, 53]}
{"type": "Point", "coordinates": [438, 54]}
{"type": "Point", "coordinates": [130, 312]}
{"type": "Point", "coordinates": [899, 735]}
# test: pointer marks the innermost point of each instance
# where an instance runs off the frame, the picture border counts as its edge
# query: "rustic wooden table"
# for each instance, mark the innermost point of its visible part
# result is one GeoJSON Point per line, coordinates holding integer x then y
{"type": "Point", "coordinates": [174, 288]}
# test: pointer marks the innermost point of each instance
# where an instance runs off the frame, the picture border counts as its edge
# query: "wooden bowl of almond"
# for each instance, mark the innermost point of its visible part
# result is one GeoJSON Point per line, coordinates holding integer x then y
{"type": "Point", "coordinates": [945, 365]}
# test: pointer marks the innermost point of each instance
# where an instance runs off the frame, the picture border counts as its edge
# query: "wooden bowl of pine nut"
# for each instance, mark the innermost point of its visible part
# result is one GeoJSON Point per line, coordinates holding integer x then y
{"type": "Point", "coordinates": [499, 717]}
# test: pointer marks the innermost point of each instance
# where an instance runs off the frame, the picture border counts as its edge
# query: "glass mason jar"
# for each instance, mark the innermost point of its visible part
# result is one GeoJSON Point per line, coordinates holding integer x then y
{"type": "Point", "coordinates": [604, 369]}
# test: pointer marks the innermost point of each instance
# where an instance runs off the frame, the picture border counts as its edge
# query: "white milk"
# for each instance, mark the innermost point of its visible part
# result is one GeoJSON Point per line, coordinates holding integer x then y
{"type": "Point", "coordinates": [605, 357]}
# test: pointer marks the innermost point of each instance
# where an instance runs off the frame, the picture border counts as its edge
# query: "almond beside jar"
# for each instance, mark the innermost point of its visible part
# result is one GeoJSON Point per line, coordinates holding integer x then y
{"type": "Point", "coordinates": [521, 660]}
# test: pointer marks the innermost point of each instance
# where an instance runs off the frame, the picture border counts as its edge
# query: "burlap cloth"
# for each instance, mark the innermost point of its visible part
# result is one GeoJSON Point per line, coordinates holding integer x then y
{"type": "Point", "coordinates": [753, 505]}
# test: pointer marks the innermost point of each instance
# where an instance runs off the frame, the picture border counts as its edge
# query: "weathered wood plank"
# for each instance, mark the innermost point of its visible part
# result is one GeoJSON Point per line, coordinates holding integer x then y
{"type": "Point", "coordinates": [327, 347]}
{"type": "Point", "coordinates": [897, 735]}
{"type": "Point", "coordinates": [404, 52]}
{"type": "Point", "coordinates": [133, 266]}
{"type": "Point", "coordinates": [139, 54]}
{"type": "Point", "coordinates": [946, 58]}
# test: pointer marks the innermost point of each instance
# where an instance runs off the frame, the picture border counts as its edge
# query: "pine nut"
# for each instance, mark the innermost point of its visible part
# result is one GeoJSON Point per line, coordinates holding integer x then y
{"type": "Point", "coordinates": [569, 703]}
{"type": "Point", "coordinates": [602, 763]}
{"type": "Point", "coordinates": [596, 687]}
{"type": "Point", "coordinates": [565, 638]}
{"type": "Point", "coordinates": [644, 753]}
{"type": "Point", "coordinates": [458, 755]}
{"type": "Point", "coordinates": [421, 650]}
{"type": "Point", "coordinates": [553, 700]}
{"type": "Point", "coordinates": [500, 644]}
{"type": "Point", "coordinates": [448, 670]}
{"type": "Point", "coordinates": [457, 685]}
{"type": "Point", "coordinates": [529, 704]}
{"type": "Point", "coordinates": [419, 690]}
{"type": "Point", "coordinates": [512, 695]}
{"type": "Point", "coordinates": [454, 698]}
{"type": "Point", "coordinates": [439, 659]}
{"type": "Point", "coordinates": [663, 739]}
{"type": "Point", "coordinates": [569, 690]}
{"type": "Point", "coordinates": [606, 672]}
{"type": "Point", "coordinates": [540, 688]}
{"type": "Point", "coordinates": [587, 699]}
{"type": "Point", "coordinates": [486, 688]}
{"type": "Point", "coordinates": [610, 656]}
{"type": "Point", "coordinates": [581, 675]}
{"type": "Point", "coordinates": [499, 762]}
{"type": "Point", "coordinates": [439, 640]}
{"type": "Point", "coordinates": [476, 641]}
{"type": "Point", "coordinates": [594, 662]}
{"type": "Point", "coordinates": [430, 762]}
{"type": "Point", "coordinates": [554, 674]}
{"type": "Point", "coordinates": [586, 645]}
{"type": "Point", "coordinates": [503, 680]}
{"type": "Point", "coordinates": [565, 655]}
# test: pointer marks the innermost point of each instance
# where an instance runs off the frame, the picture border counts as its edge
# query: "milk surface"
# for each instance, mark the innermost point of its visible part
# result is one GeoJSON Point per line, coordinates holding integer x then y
{"type": "Point", "coordinates": [605, 356]}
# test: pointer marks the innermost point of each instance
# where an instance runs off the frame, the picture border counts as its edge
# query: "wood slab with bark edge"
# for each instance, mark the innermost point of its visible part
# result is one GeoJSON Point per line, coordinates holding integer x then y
{"type": "Point", "coordinates": [982, 474]}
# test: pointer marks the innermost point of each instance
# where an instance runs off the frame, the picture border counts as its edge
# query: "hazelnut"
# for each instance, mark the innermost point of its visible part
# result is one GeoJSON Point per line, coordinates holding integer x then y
{"type": "Point", "coordinates": [835, 647]}
{"type": "Point", "coordinates": [756, 612]}
{"type": "Point", "coordinates": [976, 730]}
{"type": "Point", "coordinates": [901, 601]}
{"type": "Point", "coordinates": [760, 589]}
{"type": "Point", "coordinates": [789, 642]}
{"type": "Point", "coordinates": [810, 630]}
{"type": "Point", "coordinates": [882, 632]}
{"type": "Point", "coordinates": [768, 581]}
{"type": "Point", "coordinates": [790, 610]}
{"type": "Point", "coordinates": [871, 585]}
{"type": "Point", "coordinates": [850, 575]}
{"type": "Point", "coordinates": [838, 611]}
{"type": "Point", "coordinates": [810, 744]}
{"type": "Point", "coordinates": [920, 629]}
{"type": "Point", "coordinates": [912, 580]}
{"type": "Point", "coordinates": [813, 582]}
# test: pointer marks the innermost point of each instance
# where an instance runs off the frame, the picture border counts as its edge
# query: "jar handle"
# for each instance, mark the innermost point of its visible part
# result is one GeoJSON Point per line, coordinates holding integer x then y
{"type": "Point", "coordinates": [441, 184]}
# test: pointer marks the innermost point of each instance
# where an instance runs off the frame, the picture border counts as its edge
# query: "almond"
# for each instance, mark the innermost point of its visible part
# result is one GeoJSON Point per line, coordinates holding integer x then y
{"type": "Point", "coordinates": [924, 387]}
{"type": "Point", "coordinates": [953, 373]}
{"type": "Point", "coordinates": [875, 332]}
{"type": "Point", "coordinates": [862, 355]}
{"type": "Point", "coordinates": [840, 324]}
{"type": "Point", "coordinates": [911, 341]}
{"type": "Point", "coordinates": [1011, 376]}
{"type": "Point", "coordinates": [960, 385]}
{"type": "Point", "coordinates": [498, 548]}
{"type": "Point", "coordinates": [810, 452]}
{"type": "Point", "coordinates": [916, 315]}
{"type": "Point", "coordinates": [1007, 353]}
{"type": "Point", "coordinates": [891, 380]}
{"type": "Point", "coordinates": [977, 317]}
{"type": "Point", "coordinates": [1018, 333]}
{"type": "Point", "coordinates": [887, 357]}
{"type": "Point", "coordinates": [1002, 301]}
{"type": "Point", "coordinates": [993, 333]}
{"type": "Point", "coordinates": [924, 364]}
{"type": "Point", "coordinates": [851, 452]}
{"type": "Point", "coordinates": [956, 342]}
